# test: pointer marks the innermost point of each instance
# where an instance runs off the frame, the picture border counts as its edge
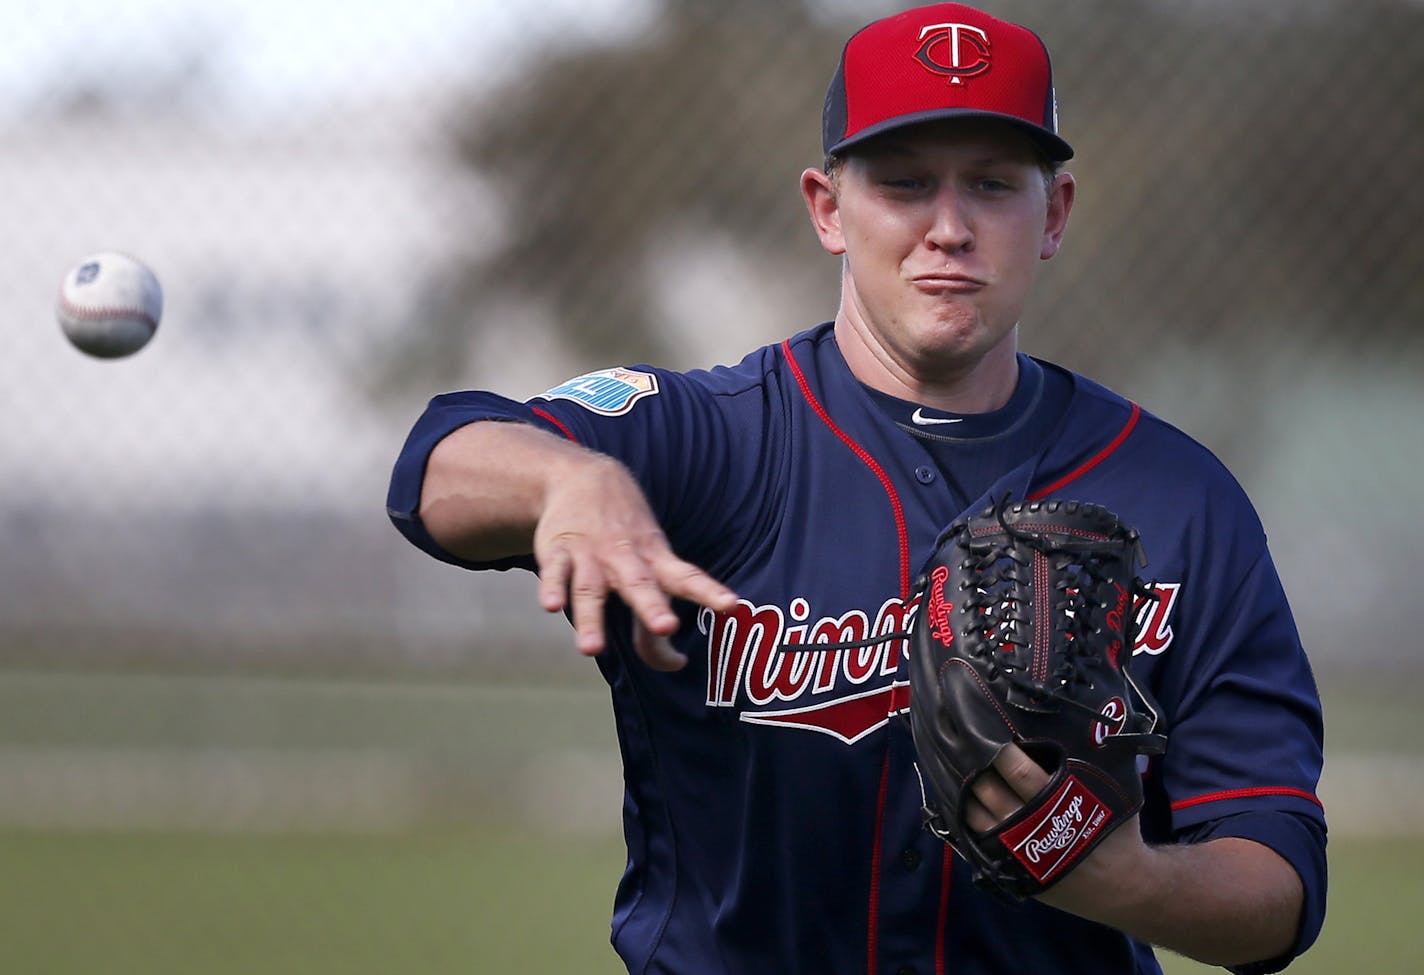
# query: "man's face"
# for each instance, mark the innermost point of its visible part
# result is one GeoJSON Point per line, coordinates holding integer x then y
{"type": "Point", "coordinates": [942, 227]}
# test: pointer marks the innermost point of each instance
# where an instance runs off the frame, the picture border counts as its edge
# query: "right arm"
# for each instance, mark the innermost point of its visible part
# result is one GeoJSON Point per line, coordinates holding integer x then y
{"type": "Point", "coordinates": [495, 489]}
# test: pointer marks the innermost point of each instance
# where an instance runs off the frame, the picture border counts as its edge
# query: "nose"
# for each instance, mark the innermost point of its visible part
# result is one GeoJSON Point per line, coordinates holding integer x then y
{"type": "Point", "coordinates": [951, 229]}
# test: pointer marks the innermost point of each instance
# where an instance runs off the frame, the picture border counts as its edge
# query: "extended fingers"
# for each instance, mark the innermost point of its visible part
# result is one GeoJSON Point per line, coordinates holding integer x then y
{"type": "Point", "coordinates": [578, 576]}
{"type": "Point", "coordinates": [588, 594]}
{"type": "Point", "coordinates": [633, 575]}
{"type": "Point", "coordinates": [645, 579]}
{"type": "Point", "coordinates": [685, 580]}
{"type": "Point", "coordinates": [554, 571]}
{"type": "Point", "coordinates": [573, 579]}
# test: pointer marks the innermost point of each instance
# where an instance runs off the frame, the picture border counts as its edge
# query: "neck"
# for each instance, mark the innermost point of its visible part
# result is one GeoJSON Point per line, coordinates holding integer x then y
{"type": "Point", "coordinates": [977, 384]}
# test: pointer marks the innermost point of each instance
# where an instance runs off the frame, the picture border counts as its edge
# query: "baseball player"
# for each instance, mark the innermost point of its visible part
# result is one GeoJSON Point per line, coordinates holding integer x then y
{"type": "Point", "coordinates": [705, 531]}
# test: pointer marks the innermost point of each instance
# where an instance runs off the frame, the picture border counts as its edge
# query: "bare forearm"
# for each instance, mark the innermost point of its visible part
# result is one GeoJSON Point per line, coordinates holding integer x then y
{"type": "Point", "coordinates": [1224, 902]}
{"type": "Point", "coordinates": [486, 484]}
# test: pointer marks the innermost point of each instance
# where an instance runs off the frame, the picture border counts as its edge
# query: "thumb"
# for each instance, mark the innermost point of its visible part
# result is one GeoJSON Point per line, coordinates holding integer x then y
{"type": "Point", "coordinates": [657, 651]}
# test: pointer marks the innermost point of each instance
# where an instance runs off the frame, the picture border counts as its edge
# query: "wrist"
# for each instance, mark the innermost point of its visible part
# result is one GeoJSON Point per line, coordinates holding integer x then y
{"type": "Point", "coordinates": [1118, 884]}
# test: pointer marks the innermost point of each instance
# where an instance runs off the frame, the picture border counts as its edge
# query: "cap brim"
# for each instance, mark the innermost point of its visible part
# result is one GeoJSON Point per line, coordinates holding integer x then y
{"type": "Point", "coordinates": [1053, 147]}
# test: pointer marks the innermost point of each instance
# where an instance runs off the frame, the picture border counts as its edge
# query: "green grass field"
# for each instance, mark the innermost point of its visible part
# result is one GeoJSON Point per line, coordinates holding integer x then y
{"type": "Point", "coordinates": [133, 904]}
{"type": "Point", "coordinates": [162, 904]}
{"type": "Point", "coordinates": [469, 882]}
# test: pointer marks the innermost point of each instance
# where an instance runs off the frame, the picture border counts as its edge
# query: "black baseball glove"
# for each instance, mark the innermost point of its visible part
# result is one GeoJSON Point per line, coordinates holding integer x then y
{"type": "Point", "coordinates": [1024, 635]}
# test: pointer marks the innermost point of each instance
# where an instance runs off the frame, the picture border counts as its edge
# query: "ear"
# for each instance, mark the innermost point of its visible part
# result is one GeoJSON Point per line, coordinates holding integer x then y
{"type": "Point", "coordinates": [821, 200]}
{"type": "Point", "coordinates": [1060, 202]}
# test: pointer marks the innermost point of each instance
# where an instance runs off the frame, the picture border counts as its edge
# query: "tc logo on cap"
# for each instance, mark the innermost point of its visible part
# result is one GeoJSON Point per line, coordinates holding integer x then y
{"type": "Point", "coordinates": [968, 50]}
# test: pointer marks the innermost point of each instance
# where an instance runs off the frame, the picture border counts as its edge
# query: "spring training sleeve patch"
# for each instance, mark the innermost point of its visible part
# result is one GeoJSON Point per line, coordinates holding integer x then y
{"type": "Point", "coordinates": [607, 392]}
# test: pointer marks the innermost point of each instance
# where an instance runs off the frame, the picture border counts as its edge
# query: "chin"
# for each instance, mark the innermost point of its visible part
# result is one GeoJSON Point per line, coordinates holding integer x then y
{"type": "Point", "coordinates": [961, 348]}
{"type": "Point", "coordinates": [957, 336]}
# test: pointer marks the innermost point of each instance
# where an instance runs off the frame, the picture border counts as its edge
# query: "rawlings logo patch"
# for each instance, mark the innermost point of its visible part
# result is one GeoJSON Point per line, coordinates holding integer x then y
{"type": "Point", "coordinates": [607, 392]}
{"type": "Point", "coordinates": [939, 609]}
{"type": "Point", "coordinates": [1059, 831]}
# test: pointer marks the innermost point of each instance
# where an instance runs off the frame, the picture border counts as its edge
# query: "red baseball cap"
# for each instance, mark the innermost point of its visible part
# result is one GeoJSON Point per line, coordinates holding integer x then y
{"type": "Point", "coordinates": [946, 60]}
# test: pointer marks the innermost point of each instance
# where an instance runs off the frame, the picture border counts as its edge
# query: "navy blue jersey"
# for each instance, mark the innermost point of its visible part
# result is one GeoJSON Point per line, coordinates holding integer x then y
{"type": "Point", "coordinates": [772, 811]}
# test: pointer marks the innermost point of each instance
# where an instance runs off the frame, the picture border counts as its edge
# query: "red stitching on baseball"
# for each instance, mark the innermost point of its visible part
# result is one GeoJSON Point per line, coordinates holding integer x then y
{"type": "Point", "coordinates": [109, 311]}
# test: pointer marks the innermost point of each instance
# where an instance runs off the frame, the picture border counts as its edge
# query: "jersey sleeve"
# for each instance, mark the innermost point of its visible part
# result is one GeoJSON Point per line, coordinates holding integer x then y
{"type": "Point", "coordinates": [1245, 741]}
{"type": "Point", "coordinates": [671, 431]}
{"type": "Point", "coordinates": [1246, 729]}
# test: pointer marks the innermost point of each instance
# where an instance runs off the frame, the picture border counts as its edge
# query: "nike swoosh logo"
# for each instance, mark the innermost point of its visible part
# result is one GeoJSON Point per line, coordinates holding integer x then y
{"type": "Point", "coordinates": [922, 420]}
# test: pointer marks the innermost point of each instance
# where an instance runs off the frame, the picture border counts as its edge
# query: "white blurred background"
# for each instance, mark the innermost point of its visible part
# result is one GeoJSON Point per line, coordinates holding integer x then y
{"type": "Point", "coordinates": [354, 206]}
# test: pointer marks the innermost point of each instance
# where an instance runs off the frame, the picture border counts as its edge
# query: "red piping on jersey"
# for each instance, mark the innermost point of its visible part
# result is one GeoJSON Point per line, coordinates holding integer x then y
{"type": "Point", "coordinates": [1093, 461]}
{"type": "Point", "coordinates": [902, 534]}
{"type": "Point", "coordinates": [1181, 804]}
{"type": "Point", "coordinates": [946, 874]}
{"type": "Point", "coordinates": [555, 421]}
{"type": "Point", "coordinates": [873, 919]}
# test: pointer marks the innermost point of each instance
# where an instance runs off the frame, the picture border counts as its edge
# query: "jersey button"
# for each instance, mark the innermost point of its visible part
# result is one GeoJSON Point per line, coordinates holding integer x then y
{"type": "Point", "coordinates": [904, 970]}
{"type": "Point", "coordinates": [925, 475]}
{"type": "Point", "coordinates": [910, 858]}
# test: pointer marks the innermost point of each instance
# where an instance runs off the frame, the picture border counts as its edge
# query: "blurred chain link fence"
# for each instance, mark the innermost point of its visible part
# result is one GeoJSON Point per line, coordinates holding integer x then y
{"type": "Point", "coordinates": [352, 208]}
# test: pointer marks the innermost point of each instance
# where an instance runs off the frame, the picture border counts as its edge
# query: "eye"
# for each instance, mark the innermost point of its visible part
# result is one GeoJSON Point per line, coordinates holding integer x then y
{"type": "Point", "coordinates": [993, 184]}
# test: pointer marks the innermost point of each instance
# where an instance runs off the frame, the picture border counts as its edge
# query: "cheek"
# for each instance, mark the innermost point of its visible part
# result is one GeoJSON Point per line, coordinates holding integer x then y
{"type": "Point", "coordinates": [1023, 250]}
{"type": "Point", "coordinates": [879, 239]}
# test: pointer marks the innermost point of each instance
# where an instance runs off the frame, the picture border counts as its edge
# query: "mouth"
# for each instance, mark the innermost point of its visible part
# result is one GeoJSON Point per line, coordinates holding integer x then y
{"type": "Point", "coordinates": [944, 282]}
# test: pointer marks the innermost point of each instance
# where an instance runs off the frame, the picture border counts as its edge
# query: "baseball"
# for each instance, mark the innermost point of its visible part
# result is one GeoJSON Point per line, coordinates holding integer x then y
{"type": "Point", "coordinates": [109, 305]}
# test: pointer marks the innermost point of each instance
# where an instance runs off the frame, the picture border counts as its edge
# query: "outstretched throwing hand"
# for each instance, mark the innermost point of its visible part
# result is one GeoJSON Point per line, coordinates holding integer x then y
{"type": "Point", "coordinates": [596, 537]}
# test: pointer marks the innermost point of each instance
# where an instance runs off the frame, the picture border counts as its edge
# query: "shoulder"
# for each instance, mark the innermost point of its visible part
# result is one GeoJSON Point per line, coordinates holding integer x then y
{"type": "Point", "coordinates": [775, 364]}
{"type": "Point", "coordinates": [1161, 452]}
{"type": "Point", "coordinates": [759, 368]}
{"type": "Point", "coordinates": [772, 381]}
{"type": "Point", "coordinates": [702, 417]}
{"type": "Point", "coordinates": [1148, 469]}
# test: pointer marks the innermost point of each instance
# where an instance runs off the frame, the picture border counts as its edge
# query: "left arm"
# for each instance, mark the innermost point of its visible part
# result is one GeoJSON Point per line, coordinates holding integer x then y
{"type": "Point", "coordinates": [1227, 901]}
